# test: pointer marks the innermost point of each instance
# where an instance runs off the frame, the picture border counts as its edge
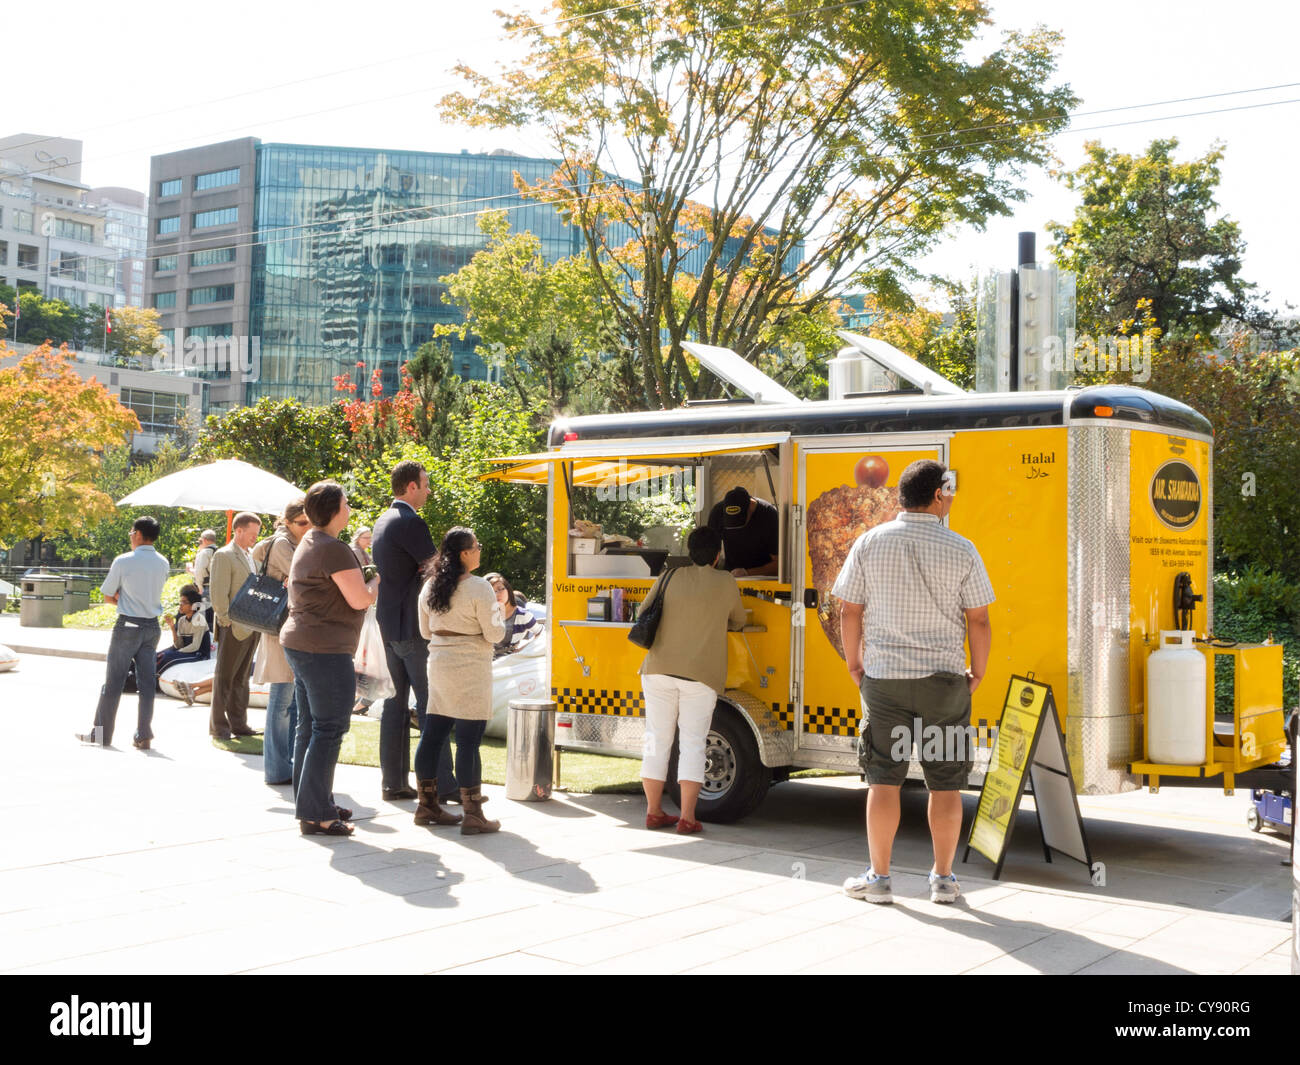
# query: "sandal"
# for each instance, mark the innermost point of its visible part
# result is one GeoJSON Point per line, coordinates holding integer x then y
{"type": "Point", "coordinates": [344, 813]}
{"type": "Point", "coordinates": [660, 820]}
{"type": "Point", "coordinates": [336, 828]}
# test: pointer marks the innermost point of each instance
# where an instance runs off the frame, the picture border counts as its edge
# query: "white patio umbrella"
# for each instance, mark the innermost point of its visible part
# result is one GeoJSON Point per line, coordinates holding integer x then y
{"type": "Point", "coordinates": [228, 485]}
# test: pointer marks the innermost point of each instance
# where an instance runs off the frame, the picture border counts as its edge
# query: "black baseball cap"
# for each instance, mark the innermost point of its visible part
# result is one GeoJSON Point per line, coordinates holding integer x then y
{"type": "Point", "coordinates": [735, 508]}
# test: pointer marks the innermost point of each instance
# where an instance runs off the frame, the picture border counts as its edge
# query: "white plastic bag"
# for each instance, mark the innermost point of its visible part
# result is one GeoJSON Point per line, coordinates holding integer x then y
{"type": "Point", "coordinates": [373, 680]}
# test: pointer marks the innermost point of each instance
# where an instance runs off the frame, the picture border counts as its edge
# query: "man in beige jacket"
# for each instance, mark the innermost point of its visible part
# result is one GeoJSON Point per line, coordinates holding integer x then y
{"type": "Point", "coordinates": [230, 567]}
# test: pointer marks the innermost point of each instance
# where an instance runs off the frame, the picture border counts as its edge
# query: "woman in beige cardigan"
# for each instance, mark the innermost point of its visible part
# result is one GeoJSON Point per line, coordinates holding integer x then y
{"type": "Point", "coordinates": [461, 619]}
{"type": "Point", "coordinates": [684, 672]}
{"type": "Point", "coordinates": [271, 667]}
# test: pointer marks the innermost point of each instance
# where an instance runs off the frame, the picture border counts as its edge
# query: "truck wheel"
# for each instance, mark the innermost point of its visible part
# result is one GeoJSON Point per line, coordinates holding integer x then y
{"type": "Point", "coordinates": [1252, 819]}
{"type": "Point", "coordinates": [735, 778]}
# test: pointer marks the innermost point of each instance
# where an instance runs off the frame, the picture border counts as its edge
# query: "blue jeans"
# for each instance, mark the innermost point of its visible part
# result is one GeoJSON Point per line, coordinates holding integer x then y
{"type": "Point", "coordinates": [278, 739]}
{"type": "Point", "coordinates": [408, 665]}
{"type": "Point", "coordinates": [325, 688]}
{"type": "Point", "coordinates": [133, 640]}
{"type": "Point", "coordinates": [433, 746]}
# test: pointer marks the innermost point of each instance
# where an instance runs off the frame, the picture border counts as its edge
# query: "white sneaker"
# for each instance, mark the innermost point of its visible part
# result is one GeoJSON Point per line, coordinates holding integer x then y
{"type": "Point", "coordinates": [869, 887]}
{"type": "Point", "coordinates": [944, 888]}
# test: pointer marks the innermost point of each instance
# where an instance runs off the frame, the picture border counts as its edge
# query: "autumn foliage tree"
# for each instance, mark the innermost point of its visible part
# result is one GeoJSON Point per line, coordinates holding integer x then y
{"type": "Point", "coordinates": [135, 336]}
{"type": "Point", "coordinates": [377, 422]}
{"type": "Point", "coordinates": [733, 164]}
{"type": "Point", "coordinates": [54, 428]}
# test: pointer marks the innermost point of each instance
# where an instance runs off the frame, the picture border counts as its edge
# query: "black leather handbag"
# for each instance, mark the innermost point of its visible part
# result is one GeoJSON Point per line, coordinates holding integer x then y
{"type": "Point", "coordinates": [646, 626]}
{"type": "Point", "coordinates": [262, 602]}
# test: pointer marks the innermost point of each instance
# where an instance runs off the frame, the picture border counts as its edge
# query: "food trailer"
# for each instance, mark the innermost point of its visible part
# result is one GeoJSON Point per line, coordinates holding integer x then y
{"type": "Point", "coordinates": [1091, 508]}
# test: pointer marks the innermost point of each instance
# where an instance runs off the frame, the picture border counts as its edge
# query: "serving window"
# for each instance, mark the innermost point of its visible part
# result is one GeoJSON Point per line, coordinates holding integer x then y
{"type": "Point", "coordinates": [628, 505]}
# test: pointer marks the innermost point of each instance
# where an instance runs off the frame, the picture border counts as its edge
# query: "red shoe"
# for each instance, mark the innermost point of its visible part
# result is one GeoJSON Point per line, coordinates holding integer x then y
{"type": "Point", "coordinates": [685, 828]}
{"type": "Point", "coordinates": [660, 820]}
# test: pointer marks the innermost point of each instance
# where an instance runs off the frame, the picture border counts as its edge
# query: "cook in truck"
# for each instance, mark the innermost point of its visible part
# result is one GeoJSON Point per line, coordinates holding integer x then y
{"type": "Point", "coordinates": [751, 533]}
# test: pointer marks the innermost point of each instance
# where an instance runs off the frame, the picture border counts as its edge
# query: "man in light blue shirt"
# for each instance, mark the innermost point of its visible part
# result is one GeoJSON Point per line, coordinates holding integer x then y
{"type": "Point", "coordinates": [134, 585]}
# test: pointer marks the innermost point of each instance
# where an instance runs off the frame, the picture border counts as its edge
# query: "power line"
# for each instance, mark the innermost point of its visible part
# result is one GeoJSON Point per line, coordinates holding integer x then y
{"type": "Point", "coordinates": [441, 87]}
{"type": "Point", "coordinates": [1092, 129]}
{"type": "Point", "coordinates": [1111, 110]}
{"type": "Point", "coordinates": [732, 27]}
{"type": "Point", "coordinates": [389, 224]}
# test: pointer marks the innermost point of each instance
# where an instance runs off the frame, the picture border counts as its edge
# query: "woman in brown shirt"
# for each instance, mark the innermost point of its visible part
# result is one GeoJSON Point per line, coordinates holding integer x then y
{"type": "Point", "coordinates": [684, 672]}
{"type": "Point", "coordinates": [328, 599]}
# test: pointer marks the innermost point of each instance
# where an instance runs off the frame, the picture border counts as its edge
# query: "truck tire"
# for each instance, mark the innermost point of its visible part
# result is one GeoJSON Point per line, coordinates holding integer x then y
{"type": "Point", "coordinates": [735, 778]}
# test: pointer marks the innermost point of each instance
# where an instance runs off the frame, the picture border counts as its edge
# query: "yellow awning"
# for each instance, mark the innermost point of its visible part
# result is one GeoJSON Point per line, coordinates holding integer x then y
{"type": "Point", "coordinates": [628, 461]}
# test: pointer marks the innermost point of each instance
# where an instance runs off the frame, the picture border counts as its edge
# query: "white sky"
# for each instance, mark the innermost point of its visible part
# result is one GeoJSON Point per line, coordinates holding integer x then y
{"type": "Point", "coordinates": [351, 73]}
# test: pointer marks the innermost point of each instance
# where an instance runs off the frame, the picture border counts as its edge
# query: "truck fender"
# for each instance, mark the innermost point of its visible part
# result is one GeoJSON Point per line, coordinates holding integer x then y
{"type": "Point", "coordinates": [775, 742]}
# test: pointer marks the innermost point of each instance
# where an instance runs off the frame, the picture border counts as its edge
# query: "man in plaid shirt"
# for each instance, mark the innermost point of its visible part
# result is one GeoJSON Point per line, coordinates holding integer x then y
{"type": "Point", "coordinates": [912, 592]}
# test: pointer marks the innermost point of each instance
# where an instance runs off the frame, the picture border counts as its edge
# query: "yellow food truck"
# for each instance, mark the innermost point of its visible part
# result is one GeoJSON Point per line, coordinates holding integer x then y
{"type": "Point", "coordinates": [1086, 505]}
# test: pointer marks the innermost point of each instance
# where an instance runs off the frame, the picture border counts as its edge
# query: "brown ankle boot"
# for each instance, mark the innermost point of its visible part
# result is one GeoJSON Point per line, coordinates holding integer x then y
{"type": "Point", "coordinates": [429, 812]}
{"type": "Point", "coordinates": [475, 823]}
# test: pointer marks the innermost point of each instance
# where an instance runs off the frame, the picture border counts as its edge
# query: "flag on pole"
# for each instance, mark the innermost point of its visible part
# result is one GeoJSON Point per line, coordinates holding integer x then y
{"type": "Point", "coordinates": [108, 320]}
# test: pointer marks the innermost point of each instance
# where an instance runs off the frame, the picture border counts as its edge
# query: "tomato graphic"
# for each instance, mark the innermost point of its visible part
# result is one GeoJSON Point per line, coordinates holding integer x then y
{"type": "Point", "coordinates": [872, 471]}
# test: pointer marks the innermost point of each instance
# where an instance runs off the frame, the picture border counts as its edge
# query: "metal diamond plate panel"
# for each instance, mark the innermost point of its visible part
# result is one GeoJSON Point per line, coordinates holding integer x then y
{"type": "Point", "coordinates": [624, 735]}
{"type": "Point", "coordinates": [1098, 619]}
{"type": "Point", "coordinates": [1100, 750]}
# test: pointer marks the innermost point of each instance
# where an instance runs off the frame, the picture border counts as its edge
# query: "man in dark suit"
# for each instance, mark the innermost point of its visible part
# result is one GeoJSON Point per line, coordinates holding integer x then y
{"type": "Point", "coordinates": [401, 544]}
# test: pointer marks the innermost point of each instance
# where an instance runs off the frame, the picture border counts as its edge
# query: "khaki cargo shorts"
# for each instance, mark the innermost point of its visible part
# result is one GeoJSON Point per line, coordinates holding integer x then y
{"type": "Point", "coordinates": [898, 713]}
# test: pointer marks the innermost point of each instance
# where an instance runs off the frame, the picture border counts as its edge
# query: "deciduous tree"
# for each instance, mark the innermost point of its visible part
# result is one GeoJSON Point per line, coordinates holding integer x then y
{"type": "Point", "coordinates": [1147, 228]}
{"type": "Point", "coordinates": [40, 319]}
{"type": "Point", "coordinates": [1251, 401]}
{"type": "Point", "coordinates": [774, 152]}
{"type": "Point", "coordinates": [54, 427]}
{"type": "Point", "coordinates": [118, 476]}
{"type": "Point", "coordinates": [300, 444]}
{"type": "Point", "coordinates": [134, 339]}
{"type": "Point", "coordinates": [541, 324]}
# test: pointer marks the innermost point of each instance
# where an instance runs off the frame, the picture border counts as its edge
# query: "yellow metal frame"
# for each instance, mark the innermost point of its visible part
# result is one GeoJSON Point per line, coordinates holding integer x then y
{"type": "Point", "coordinates": [1258, 726]}
{"type": "Point", "coordinates": [626, 461]}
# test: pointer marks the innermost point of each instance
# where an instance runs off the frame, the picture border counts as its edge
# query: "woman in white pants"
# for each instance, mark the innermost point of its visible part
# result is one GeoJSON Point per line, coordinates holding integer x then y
{"type": "Point", "coordinates": [684, 673]}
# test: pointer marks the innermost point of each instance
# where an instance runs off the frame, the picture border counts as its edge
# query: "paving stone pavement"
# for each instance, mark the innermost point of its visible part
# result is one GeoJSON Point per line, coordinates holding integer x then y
{"type": "Point", "coordinates": [181, 860]}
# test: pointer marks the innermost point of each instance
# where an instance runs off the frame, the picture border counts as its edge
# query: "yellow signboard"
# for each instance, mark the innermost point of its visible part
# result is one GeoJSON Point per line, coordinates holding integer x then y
{"type": "Point", "coordinates": [1029, 746]}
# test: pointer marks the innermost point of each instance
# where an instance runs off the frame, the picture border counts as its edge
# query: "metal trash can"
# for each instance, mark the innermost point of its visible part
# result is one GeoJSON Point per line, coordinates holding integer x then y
{"type": "Point", "coordinates": [77, 595]}
{"type": "Point", "coordinates": [530, 750]}
{"type": "Point", "coordinates": [42, 605]}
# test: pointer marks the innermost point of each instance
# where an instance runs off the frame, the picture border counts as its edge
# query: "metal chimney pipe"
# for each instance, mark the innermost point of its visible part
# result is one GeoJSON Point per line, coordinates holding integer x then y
{"type": "Point", "coordinates": [1025, 254]}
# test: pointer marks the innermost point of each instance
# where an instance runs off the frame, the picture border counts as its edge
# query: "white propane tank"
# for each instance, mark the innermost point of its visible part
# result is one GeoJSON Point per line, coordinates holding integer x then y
{"type": "Point", "coordinates": [1176, 701]}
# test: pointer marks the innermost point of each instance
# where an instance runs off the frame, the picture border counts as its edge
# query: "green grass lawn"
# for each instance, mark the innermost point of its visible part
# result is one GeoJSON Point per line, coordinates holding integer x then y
{"type": "Point", "coordinates": [104, 616]}
{"type": "Point", "coordinates": [580, 772]}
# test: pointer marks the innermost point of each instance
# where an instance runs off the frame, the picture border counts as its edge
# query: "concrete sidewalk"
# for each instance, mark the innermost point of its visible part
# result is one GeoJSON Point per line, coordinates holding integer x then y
{"type": "Point", "coordinates": [182, 860]}
{"type": "Point", "coordinates": [90, 644]}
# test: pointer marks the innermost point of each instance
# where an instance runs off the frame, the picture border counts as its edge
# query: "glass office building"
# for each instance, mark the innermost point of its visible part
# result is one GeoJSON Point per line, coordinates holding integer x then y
{"type": "Point", "coordinates": [327, 257]}
{"type": "Point", "coordinates": [351, 244]}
